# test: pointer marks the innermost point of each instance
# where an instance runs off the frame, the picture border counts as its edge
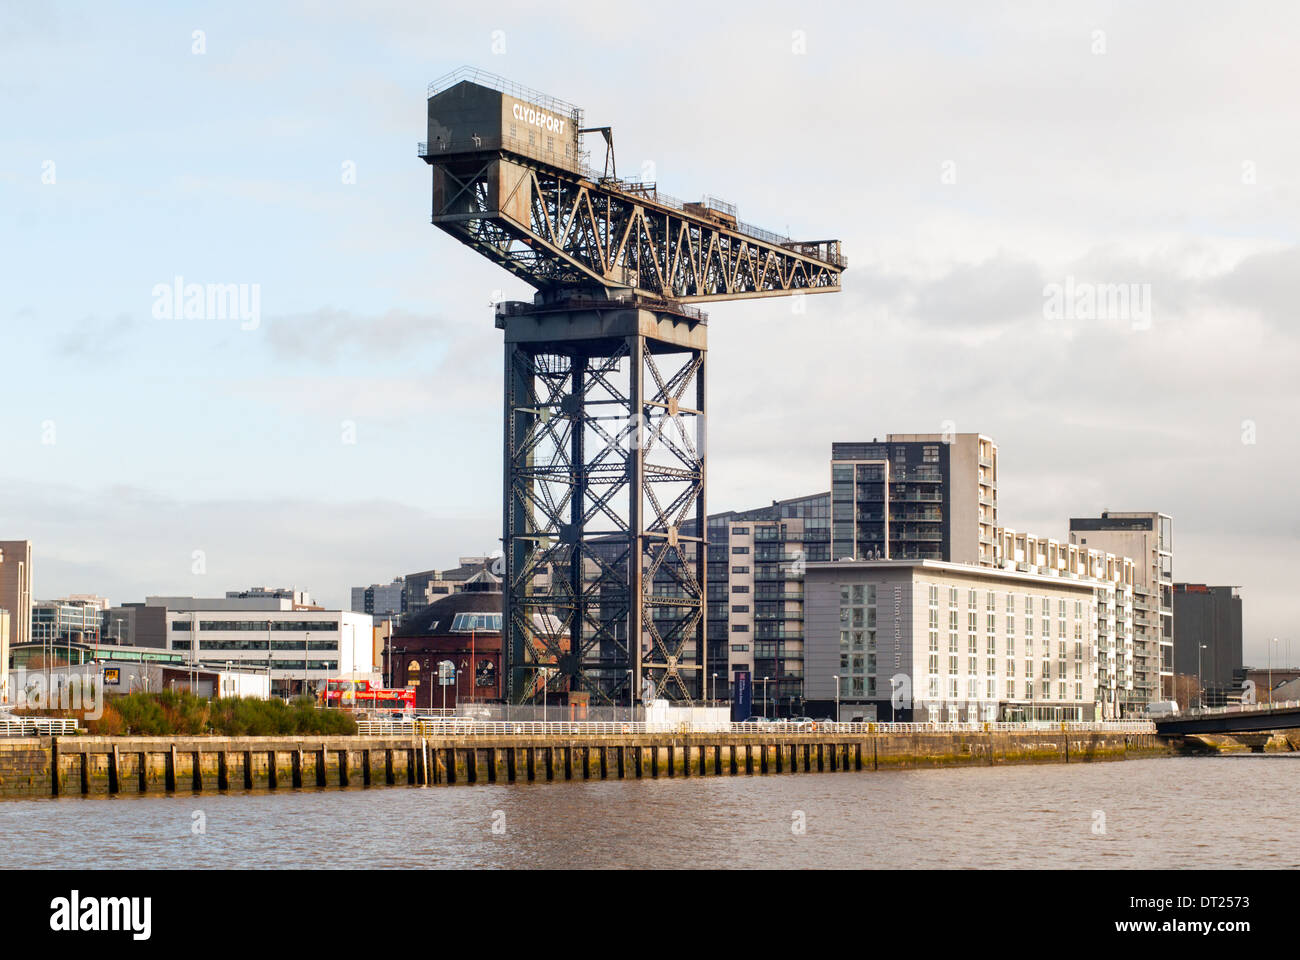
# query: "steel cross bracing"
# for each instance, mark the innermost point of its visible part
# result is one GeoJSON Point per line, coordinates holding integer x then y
{"type": "Point", "coordinates": [604, 469]}
{"type": "Point", "coordinates": [556, 229]}
{"type": "Point", "coordinates": [605, 591]}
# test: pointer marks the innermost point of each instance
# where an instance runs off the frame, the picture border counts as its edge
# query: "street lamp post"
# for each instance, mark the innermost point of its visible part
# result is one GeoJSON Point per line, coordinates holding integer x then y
{"type": "Point", "coordinates": [715, 689]}
{"type": "Point", "coordinates": [1200, 685]}
{"type": "Point", "coordinates": [1270, 672]}
{"type": "Point", "coordinates": [836, 678]}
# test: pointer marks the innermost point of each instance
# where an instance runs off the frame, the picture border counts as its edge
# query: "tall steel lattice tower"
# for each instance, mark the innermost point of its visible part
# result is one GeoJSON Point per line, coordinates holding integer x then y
{"type": "Point", "coordinates": [604, 523]}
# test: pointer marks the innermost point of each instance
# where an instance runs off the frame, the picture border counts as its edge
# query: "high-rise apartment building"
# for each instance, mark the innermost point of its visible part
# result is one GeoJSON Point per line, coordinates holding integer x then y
{"type": "Point", "coordinates": [16, 588]}
{"type": "Point", "coordinates": [1147, 539]}
{"type": "Point", "coordinates": [756, 561]}
{"type": "Point", "coordinates": [915, 497]}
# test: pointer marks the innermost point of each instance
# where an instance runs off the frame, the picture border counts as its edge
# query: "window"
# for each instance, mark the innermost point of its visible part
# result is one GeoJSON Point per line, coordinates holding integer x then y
{"type": "Point", "coordinates": [740, 628]}
{"type": "Point", "coordinates": [465, 622]}
{"type": "Point", "coordinates": [740, 608]}
{"type": "Point", "coordinates": [735, 550]}
{"type": "Point", "coordinates": [740, 588]}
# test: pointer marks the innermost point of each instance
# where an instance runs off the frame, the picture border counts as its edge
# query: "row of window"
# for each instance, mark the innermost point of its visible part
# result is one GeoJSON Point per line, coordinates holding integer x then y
{"type": "Point", "coordinates": [183, 626]}
{"type": "Point", "coordinates": [975, 689]}
{"type": "Point", "coordinates": [990, 667]}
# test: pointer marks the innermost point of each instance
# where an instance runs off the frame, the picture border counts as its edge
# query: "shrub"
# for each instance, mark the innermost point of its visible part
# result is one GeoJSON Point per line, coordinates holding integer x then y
{"type": "Point", "coordinates": [108, 724]}
{"type": "Point", "coordinates": [183, 714]}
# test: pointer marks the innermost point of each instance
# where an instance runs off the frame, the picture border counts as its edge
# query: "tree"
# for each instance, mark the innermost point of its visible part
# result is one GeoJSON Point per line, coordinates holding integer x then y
{"type": "Point", "coordinates": [1187, 690]}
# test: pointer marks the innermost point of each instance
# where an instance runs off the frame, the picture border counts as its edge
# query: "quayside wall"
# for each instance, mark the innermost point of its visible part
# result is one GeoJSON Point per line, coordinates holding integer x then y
{"type": "Point", "coordinates": [102, 766]}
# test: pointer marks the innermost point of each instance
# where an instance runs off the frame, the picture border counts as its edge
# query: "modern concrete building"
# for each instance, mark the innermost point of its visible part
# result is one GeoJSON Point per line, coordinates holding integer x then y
{"type": "Point", "coordinates": [915, 497]}
{"type": "Point", "coordinates": [427, 586]}
{"type": "Point", "coordinates": [1147, 539]}
{"type": "Point", "coordinates": [380, 599]}
{"type": "Point", "coordinates": [930, 640]}
{"type": "Point", "coordinates": [300, 599]}
{"type": "Point", "coordinates": [135, 625]}
{"type": "Point", "coordinates": [55, 621]}
{"type": "Point", "coordinates": [301, 648]}
{"type": "Point", "coordinates": [1112, 578]}
{"type": "Point", "coordinates": [16, 587]}
{"type": "Point", "coordinates": [1208, 621]}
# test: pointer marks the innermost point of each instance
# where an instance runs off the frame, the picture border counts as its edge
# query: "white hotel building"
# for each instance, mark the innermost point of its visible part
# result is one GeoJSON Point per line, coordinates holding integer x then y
{"type": "Point", "coordinates": [300, 647]}
{"type": "Point", "coordinates": [1043, 634]}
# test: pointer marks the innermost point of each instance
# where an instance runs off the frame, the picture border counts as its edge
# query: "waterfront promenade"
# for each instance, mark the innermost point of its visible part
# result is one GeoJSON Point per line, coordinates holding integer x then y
{"type": "Point", "coordinates": [448, 753]}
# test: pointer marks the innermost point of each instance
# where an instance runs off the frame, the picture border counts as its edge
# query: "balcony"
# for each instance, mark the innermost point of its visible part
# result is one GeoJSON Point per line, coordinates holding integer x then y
{"type": "Point", "coordinates": [916, 497]}
{"type": "Point", "coordinates": [916, 536]}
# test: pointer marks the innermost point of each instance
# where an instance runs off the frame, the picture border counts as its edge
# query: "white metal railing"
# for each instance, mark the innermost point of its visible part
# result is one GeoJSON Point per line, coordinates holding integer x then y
{"type": "Point", "coordinates": [465, 726]}
{"type": "Point", "coordinates": [36, 726]}
{"type": "Point", "coordinates": [1239, 708]}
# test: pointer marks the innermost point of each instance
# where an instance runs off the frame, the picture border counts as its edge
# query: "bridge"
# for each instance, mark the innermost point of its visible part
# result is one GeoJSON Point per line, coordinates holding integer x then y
{"type": "Point", "coordinates": [1251, 725]}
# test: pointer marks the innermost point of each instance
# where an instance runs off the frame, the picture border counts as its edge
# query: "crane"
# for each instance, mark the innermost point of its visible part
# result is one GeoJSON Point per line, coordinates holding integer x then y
{"type": "Point", "coordinates": [604, 527]}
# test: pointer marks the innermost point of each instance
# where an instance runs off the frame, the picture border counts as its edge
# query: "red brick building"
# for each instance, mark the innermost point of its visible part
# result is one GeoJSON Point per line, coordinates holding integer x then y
{"type": "Point", "coordinates": [463, 628]}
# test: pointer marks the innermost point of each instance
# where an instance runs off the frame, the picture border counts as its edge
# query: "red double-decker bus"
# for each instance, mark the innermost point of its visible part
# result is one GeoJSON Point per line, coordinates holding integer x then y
{"type": "Point", "coordinates": [358, 694]}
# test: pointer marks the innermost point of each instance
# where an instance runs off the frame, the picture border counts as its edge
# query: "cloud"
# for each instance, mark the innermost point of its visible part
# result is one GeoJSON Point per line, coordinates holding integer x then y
{"type": "Point", "coordinates": [95, 338]}
{"type": "Point", "coordinates": [328, 335]}
{"type": "Point", "coordinates": [129, 542]}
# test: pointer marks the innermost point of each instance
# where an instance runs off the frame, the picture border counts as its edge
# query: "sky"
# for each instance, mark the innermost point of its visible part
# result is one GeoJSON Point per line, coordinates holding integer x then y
{"type": "Point", "coordinates": [971, 157]}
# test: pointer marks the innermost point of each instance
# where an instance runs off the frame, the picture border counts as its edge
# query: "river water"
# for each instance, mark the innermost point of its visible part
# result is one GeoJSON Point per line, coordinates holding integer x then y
{"type": "Point", "coordinates": [1237, 811]}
